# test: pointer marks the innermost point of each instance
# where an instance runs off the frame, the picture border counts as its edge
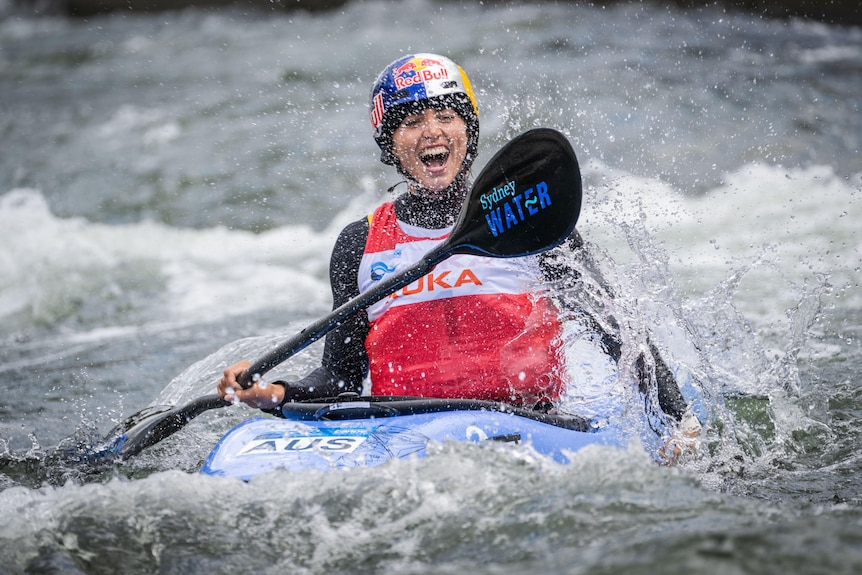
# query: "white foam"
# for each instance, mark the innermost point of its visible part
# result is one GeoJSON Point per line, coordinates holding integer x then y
{"type": "Point", "coordinates": [48, 265]}
{"type": "Point", "coordinates": [794, 224]}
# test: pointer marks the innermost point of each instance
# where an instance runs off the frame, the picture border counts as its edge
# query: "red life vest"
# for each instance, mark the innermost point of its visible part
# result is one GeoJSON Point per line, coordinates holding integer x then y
{"type": "Point", "coordinates": [473, 327]}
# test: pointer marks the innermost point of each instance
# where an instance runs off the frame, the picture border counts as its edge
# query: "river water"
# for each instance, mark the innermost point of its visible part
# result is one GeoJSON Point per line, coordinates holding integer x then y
{"type": "Point", "coordinates": [170, 188]}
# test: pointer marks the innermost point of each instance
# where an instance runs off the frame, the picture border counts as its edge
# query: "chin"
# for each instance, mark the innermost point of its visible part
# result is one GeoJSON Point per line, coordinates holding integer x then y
{"type": "Point", "coordinates": [437, 184]}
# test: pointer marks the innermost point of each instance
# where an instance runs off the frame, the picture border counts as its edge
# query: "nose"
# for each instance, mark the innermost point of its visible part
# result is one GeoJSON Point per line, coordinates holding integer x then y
{"type": "Point", "coordinates": [431, 126]}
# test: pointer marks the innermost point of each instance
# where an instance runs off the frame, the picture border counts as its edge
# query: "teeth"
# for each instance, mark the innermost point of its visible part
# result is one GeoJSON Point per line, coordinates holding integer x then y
{"type": "Point", "coordinates": [435, 151]}
{"type": "Point", "coordinates": [439, 153]}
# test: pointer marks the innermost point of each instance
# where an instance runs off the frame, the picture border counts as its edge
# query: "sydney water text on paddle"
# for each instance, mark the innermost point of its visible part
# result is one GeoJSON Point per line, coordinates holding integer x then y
{"type": "Point", "coordinates": [526, 204]}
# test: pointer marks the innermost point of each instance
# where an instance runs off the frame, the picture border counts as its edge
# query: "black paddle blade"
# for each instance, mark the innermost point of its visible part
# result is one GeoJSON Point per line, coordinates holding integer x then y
{"type": "Point", "coordinates": [529, 199]}
{"type": "Point", "coordinates": [148, 427]}
{"type": "Point", "coordinates": [152, 429]}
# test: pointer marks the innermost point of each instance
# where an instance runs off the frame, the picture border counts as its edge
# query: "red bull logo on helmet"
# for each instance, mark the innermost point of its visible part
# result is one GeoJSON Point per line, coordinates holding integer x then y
{"type": "Point", "coordinates": [416, 63]}
{"type": "Point", "coordinates": [419, 70]}
{"type": "Point", "coordinates": [413, 79]}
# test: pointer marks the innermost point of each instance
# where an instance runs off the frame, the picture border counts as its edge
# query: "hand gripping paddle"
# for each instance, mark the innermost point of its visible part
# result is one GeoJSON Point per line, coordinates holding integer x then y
{"type": "Point", "coordinates": [526, 200]}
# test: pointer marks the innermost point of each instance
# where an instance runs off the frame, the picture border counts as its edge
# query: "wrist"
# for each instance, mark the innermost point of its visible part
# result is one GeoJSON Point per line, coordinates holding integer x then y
{"type": "Point", "coordinates": [278, 396]}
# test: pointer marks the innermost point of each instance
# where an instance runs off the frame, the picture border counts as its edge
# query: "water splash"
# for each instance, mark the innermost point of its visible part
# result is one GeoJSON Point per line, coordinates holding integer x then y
{"type": "Point", "coordinates": [742, 379]}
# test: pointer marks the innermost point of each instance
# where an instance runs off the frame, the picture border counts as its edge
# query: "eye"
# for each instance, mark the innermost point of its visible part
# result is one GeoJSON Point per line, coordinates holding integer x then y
{"type": "Point", "coordinates": [412, 121]}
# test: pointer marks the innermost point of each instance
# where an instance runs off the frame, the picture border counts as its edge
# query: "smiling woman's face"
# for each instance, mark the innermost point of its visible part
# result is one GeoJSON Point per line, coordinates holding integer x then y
{"type": "Point", "coordinates": [431, 146]}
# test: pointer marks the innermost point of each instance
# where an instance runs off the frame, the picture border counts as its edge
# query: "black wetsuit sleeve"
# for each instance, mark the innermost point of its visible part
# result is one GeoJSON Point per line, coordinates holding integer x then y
{"type": "Point", "coordinates": [345, 361]}
{"type": "Point", "coordinates": [344, 352]}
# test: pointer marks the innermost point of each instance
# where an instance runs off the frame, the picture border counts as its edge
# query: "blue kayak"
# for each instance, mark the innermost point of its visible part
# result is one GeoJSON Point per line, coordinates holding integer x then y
{"type": "Point", "coordinates": [368, 431]}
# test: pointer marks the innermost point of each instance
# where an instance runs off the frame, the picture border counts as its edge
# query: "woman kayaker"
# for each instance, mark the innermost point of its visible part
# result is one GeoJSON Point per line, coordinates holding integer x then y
{"type": "Point", "coordinates": [475, 327]}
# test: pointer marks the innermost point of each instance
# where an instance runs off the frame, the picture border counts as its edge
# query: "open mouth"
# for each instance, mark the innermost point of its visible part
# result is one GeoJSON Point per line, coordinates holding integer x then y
{"type": "Point", "coordinates": [435, 157]}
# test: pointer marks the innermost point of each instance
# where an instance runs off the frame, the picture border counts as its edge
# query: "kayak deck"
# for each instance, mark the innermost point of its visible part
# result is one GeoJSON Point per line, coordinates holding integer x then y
{"type": "Point", "coordinates": [356, 433]}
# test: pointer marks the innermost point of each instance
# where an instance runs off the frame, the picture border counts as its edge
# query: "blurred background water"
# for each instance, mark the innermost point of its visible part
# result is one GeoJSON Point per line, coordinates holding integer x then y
{"type": "Point", "coordinates": [170, 188]}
